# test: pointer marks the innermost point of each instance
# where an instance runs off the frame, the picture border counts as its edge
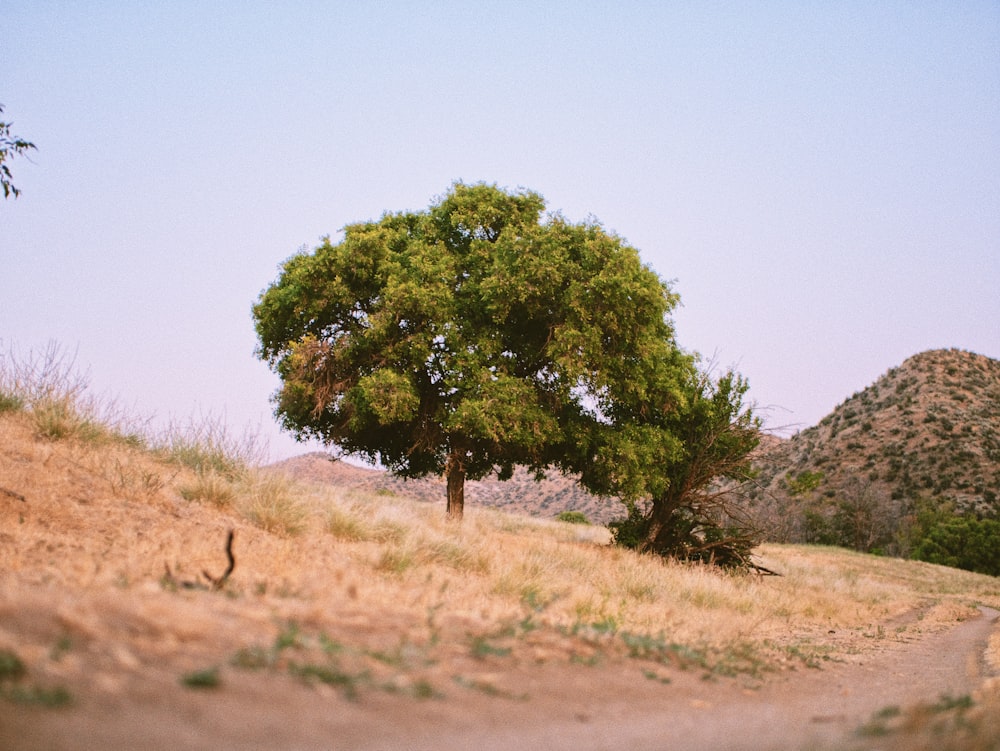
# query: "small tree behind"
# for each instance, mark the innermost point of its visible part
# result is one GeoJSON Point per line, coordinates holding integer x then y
{"type": "Point", "coordinates": [677, 456]}
{"type": "Point", "coordinates": [463, 340]}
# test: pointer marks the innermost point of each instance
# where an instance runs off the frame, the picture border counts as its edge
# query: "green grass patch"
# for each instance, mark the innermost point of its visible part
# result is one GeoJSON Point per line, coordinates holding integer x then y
{"type": "Point", "coordinates": [10, 402]}
{"type": "Point", "coordinates": [488, 688]}
{"type": "Point", "coordinates": [11, 666]}
{"type": "Point", "coordinates": [331, 675]}
{"type": "Point", "coordinates": [481, 648]}
{"type": "Point", "coordinates": [252, 658]}
{"type": "Point", "coordinates": [572, 517]}
{"type": "Point", "coordinates": [52, 698]}
{"type": "Point", "coordinates": [202, 679]}
{"type": "Point", "coordinates": [12, 671]}
{"type": "Point", "coordinates": [652, 675]}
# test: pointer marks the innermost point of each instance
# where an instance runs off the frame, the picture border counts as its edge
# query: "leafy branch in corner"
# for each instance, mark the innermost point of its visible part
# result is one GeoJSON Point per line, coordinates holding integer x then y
{"type": "Point", "coordinates": [10, 146]}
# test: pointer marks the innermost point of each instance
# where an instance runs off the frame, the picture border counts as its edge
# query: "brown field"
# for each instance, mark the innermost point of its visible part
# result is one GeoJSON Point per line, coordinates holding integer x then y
{"type": "Point", "coordinates": [362, 606]}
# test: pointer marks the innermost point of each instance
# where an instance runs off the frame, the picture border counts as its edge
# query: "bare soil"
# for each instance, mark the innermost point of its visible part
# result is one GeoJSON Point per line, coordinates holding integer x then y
{"type": "Point", "coordinates": [504, 704]}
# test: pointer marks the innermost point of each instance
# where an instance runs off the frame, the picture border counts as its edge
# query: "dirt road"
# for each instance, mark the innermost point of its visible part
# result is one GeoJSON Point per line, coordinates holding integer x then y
{"type": "Point", "coordinates": [625, 705]}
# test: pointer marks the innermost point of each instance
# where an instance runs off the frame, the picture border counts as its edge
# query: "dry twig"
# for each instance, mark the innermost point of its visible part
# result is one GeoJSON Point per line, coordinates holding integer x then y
{"type": "Point", "coordinates": [216, 583]}
{"type": "Point", "coordinates": [12, 494]}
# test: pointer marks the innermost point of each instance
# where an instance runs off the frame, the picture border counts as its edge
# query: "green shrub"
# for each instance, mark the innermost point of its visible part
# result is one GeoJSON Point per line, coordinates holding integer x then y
{"type": "Point", "coordinates": [686, 536]}
{"type": "Point", "coordinates": [962, 542]}
{"type": "Point", "coordinates": [572, 517]}
{"type": "Point", "coordinates": [208, 678]}
{"type": "Point", "coordinates": [803, 484]}
{"type": "Point", "coordinates": [10, 402]}
{"type": "Point", "coordinates": [11, 666]}
{"type": "Point", "coordinates": [630, 531]}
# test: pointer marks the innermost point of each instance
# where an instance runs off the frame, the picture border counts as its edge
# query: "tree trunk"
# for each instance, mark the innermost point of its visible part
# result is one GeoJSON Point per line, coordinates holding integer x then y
{"type": "Point", "coordinates": [455, 472]}
{"type": "Point", "coordinates": [661, 533]}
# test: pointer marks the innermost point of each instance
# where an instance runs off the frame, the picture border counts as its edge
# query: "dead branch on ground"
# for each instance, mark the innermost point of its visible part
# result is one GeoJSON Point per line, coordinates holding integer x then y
{"type": "Point", "coordinates": [213, 582]}
{"type": "Point", "coordinates": [12, 494]}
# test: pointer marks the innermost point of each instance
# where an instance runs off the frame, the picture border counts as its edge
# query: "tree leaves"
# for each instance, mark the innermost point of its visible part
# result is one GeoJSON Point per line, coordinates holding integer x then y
{"type": "Point", "coordinates": [475, 335]}
{"type": "Point", "coordinates": [478, 335]}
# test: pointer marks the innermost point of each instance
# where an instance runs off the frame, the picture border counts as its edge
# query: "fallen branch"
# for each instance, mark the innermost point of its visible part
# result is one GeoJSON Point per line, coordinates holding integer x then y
{"type": "Point", "coordinates": [763, 571]}
{"type": "Point", "coordinates": [216, 583]}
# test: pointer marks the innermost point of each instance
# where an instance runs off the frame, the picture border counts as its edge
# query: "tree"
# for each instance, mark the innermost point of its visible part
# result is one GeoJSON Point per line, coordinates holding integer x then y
{"type": "Point", "coordinates": [865, 517]}
{"type": "Point", "coordinates": [10, 146]}
{"type": "Point", "coordinates": [463, 340]}
{"type": "Point", "coordinates": [678, 454]}
{"type": "Point", "coordinates": [963, 542]}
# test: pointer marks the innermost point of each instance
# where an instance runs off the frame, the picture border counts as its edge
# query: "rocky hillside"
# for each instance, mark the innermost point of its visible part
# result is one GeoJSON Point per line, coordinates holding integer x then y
{"type": "Point", "coordinates": [926, 430]}
{"type": "Point", "coordinates": [521, 494]}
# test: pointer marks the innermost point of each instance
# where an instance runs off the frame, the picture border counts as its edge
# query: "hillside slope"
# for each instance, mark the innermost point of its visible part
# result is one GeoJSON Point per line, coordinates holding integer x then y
{"type": "Point", "coordinates": [121, 628]}
{"type": "Point", "coordinates": [928, 430]}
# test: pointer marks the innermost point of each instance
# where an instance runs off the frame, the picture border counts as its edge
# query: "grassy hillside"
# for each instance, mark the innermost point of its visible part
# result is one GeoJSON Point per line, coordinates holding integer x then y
{"type": "Point", "coordinates": [86, 517]}
{"type": "Point", "coordinates": [926, 431]}
{"type": "Point", "coordinates": [114, 553]}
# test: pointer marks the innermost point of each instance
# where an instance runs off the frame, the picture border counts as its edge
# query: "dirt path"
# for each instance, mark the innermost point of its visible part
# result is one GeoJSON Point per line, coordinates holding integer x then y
{"type": "Point", "coordinates": [551, 707]}
{"type": "Point", "coordinates": [802, 711]}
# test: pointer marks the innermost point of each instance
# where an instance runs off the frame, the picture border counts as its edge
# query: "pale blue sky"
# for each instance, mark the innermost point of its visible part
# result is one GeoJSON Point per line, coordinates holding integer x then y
{"type": "Point", "coordinates": [822, 180]}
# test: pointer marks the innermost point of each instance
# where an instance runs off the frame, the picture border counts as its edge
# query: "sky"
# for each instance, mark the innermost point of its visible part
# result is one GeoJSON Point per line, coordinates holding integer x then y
{"type": "Point", "coordinates": [820, 181]}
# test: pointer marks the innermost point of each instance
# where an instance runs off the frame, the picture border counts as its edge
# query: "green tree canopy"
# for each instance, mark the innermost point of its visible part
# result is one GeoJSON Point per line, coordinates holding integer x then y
{"type": "Point", "coordinates": [470, 338]}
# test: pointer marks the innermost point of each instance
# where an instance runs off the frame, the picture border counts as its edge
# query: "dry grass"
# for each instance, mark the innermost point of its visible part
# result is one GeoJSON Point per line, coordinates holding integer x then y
{"type": "Point", "coordinates": [119, 512]}
{"type": "Point", "coordinates": [407, 597]}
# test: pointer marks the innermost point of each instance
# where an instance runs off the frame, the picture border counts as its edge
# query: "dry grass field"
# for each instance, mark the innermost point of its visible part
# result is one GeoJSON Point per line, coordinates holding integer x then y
{"type": "Point", "coordinates": [110, 541]}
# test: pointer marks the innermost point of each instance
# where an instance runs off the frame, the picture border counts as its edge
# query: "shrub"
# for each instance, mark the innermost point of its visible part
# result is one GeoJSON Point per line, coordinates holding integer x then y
{"type": "Point", "coordinates": [572, 517]}
{"type": "Point", "coordinates": [271, 505]}
{"type": "Point", "coordinates": [690, 536]}
{"type": "Point", "coordinates": [346, 525]}
{"type": "Point", "coordinates": [210, 487]}
{"type": "Point", "coordinates": [57, 419]}
{"type": "Point", "coordinates": [202, 679]}
{"type": "Point", "coordinates": [962, 542]}
{"type": "Point", "coordinates": [10, 402]}
{"type": "Point", "coordinates": [630, 531]}
{"type": "Point", "coordinates": [53, 392]}
{"type": "Point", "coordinates": [11, 666]}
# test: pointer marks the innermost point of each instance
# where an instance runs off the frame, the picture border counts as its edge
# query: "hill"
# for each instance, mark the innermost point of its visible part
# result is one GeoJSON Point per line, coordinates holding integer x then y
{"type": "Point", "coordinates": [522, 494]}
{"type": "Point", "coordinates": [926, 432]}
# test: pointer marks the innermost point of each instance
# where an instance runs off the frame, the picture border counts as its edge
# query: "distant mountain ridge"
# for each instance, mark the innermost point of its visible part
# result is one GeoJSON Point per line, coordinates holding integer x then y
{"type": "Point", "coordinates": [520, 494]}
